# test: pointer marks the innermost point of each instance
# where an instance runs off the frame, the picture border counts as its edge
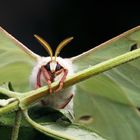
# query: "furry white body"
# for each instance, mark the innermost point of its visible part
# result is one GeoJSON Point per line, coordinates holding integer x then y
{"type": "Point", "coordinates": [55, 100]}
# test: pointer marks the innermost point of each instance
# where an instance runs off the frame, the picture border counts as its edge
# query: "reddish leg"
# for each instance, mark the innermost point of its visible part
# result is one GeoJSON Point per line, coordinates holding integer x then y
{"type": "Point", "coordinates": [38, 83]}
{"type": "Point", "coordinates": [67, 101]}
{"type": "Point", "coordinates": [47, 77]}
{"type": "Point", "coordinates": [62, 80]}
{"type": "Point", "coordinates": [58, 72]}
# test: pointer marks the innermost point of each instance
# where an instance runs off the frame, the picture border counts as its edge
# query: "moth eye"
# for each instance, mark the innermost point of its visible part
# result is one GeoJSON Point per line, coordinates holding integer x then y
{"type": "Point", "coordinates": [47, 66]}
{"type": "Point", "coordinates": [58, 67]}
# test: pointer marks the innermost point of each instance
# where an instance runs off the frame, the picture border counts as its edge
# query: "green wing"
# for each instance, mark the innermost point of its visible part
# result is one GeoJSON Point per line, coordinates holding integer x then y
{"type": "Point", "coordinates": [125, 77]}
{"type": "Point", "coordinates": [16, 62]}
{"type": "Point", "coordinates": [107, 102]}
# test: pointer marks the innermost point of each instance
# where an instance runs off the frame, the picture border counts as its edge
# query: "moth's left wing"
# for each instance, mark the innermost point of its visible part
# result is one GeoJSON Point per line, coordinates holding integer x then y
{"type": "Point", "coordinates": [16, 62]}
{"type": "Point", "coordinates": [123, 79]}
{"type": "Point", "coordinates": [107, 102]}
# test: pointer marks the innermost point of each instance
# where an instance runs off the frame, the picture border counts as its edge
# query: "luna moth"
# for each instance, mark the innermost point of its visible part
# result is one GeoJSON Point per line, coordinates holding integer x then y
{"type": "Point", "coordinates": [22, 67]}
{"type": "Point", "coordinates": [17, 61]}
{"type": "Point", "coordinates": [119, 85]}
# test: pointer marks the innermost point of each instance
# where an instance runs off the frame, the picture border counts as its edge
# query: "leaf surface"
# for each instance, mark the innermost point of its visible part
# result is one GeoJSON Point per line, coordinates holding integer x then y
{"type": "Point", "coordinates": [62, 130]}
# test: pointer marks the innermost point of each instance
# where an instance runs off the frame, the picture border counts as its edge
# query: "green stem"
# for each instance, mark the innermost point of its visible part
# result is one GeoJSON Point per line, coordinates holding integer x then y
{"type": "Point", "coordinates": [32, 96]}
{"type": "Point", "coordinates": [9, 108]}
{"type": "Point", "coordinates": [16, 127]}
{"type": "Point", "coordinates": [9, 93]}
{"type": "Point", "coordinates": [46, 130]}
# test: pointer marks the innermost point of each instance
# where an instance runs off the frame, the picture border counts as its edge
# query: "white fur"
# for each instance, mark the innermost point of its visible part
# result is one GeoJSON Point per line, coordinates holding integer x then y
{"type": "Point", "coordinates": [40, 62]}
{"type": "Point", "coordinates": [55, 100]}
{"type": "Point", "coordinates": [53, 66]}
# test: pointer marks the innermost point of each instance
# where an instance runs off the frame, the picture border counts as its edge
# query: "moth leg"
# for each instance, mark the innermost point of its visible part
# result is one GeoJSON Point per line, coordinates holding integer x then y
{"type": "Point", "coordinates": [67, 101]}
{"type": "Point", "coordinates": [58, 72]}
{"type": "Point", "coordinates": [38, 82]}
{"type": "Point", "coordinates": [47, 77]}
{"type": "Point", "coordinates": [61, 83]}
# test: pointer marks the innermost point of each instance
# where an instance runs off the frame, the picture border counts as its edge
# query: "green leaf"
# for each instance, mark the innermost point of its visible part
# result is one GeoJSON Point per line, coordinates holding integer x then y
{"type": "Point", "coordinates": [61, 131]}
{"type": "Point", "coordinates": [26, 133]}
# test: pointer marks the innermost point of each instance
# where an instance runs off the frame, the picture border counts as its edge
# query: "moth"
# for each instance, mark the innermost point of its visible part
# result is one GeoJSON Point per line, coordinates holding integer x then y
{"type": "Point", "coordinates": [28, 68]}
{"type": "Point", "coordinates": [109, 92]}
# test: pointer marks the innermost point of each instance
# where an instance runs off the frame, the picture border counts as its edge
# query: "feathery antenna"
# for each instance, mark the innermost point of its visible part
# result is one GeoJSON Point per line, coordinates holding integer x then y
{"type": "Point", "coordinates": [45, 45]}
{"type": "Point", "coordinates": [61, 45]}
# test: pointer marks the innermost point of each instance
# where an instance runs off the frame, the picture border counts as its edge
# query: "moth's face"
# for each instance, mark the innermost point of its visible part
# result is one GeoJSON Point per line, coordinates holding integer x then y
{"type": "Point", "coordinates": [53, 66]}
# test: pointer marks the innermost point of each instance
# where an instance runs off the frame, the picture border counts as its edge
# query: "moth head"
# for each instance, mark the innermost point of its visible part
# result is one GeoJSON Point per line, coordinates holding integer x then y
{"type": "Point", "coordinates": [53, 65]}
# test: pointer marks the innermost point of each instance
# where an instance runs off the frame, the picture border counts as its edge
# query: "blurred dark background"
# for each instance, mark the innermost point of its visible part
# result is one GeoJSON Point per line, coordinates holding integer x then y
{"type": "Point", "coordinates": [90, 22]}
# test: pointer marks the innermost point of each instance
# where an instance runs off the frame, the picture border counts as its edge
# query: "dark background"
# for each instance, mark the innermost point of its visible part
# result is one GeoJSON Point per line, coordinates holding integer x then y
{"type": "Point", "coordinates": [90, 22]}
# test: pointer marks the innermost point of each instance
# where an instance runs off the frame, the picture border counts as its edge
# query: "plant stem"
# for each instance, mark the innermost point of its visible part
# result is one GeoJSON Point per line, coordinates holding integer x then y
{"type": "Point", "coordinates": [9, 93]}
{"type": "Point", "coordinates": [32, 96]}
{"type": "Point", "coordinates": [9, 108]}
{"type": "Point", "coordinates": [46, 130]}
{"type": "Point", "coordinates": [16, 127]}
